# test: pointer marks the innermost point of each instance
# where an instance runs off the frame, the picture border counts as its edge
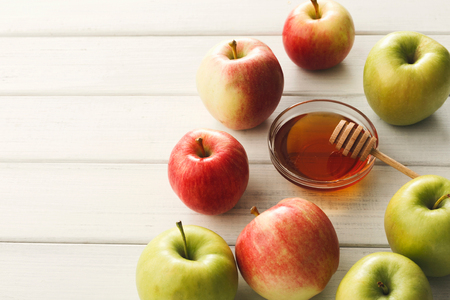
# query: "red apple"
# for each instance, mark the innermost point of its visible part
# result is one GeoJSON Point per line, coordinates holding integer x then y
{"type": "Point", "coordinates": [318, 35]}
{"type": "Point", "coordinates": [240, 82]}
{"type": "Point", "coordinates": [290, 251]}
{"type": "Point", "coordinates": [208, 170]}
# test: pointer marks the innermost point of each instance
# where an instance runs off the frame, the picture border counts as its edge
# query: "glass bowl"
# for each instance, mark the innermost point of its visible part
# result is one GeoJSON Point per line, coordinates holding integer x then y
{"type": "Point", "coordinates": [300, 149]}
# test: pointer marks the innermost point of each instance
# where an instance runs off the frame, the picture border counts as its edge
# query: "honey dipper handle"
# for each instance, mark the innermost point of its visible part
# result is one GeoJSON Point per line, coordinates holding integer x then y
{"type": "Point", "coordinates": [393, 163]}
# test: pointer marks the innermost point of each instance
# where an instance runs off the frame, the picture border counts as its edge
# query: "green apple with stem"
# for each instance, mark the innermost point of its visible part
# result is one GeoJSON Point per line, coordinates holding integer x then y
{"type": "Point", "coordinates": [406, 77]}
{"type": "Point", "coordinates": [384, 275]}
{"type": "Point", "coordinates": [417, 223]}
{"type": "Point", "coordinates": [187, 262]}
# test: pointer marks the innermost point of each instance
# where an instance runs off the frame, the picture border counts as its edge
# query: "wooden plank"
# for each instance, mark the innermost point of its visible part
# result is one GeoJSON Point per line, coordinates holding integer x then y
{"type": "Point", "coordinates": [152, 66]}
{"type": "Point", "coordinates": [144, 129]}
{"type": "Point", "coordinates": [201, 17]}
{"type": "Point", "coordinates": [68, 271]}
{"type": "Point", "coordinates": [77, 271]}
{"type": "Point", "coordinates": [126, 203]}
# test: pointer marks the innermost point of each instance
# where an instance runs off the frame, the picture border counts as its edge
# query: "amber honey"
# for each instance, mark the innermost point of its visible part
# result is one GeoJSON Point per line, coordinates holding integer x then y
{"type": "Point", "coordinates": [302, 146]}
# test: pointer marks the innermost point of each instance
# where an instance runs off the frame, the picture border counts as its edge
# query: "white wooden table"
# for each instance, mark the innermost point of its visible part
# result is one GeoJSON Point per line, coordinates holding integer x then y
{"type": "Point", "coordinates": [95, 93]}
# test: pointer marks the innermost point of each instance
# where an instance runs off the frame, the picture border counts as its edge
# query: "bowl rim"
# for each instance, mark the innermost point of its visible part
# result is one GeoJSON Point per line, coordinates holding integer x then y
{"type": "Point", "coordinates": [319, 184]}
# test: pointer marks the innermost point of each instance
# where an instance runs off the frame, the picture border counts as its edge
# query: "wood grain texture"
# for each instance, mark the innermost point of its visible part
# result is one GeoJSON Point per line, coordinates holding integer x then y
{"type": "Point", "coordinates": [47, 271]}
{"type": "Point", "coordinates": [144, 129]}
{"type": "Point", "coordinates": [132, 203]}
{"type": "Point", "coordinates": [153, 65]}
{"type": "Point", "coordinates": [203, 17]}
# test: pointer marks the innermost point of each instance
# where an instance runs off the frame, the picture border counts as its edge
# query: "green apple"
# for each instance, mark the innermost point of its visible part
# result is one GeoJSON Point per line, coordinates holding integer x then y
{"type": "Point", "coordinates": [189, 262]}
{"type": "Point", "coordinates": [406, 77]}
{"type": "Point", "coordinates": [417, 223]}
{"type": "Point", "coordinates": [384, 275]}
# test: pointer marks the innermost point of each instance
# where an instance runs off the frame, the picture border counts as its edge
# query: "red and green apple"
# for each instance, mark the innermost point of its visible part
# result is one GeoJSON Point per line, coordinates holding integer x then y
{"type": "Point", "coordinates": [318, 34]}
{"type": "Point", "coordinates": [240, 82]}
{"type": "Point", "coordinates": [289, 251]}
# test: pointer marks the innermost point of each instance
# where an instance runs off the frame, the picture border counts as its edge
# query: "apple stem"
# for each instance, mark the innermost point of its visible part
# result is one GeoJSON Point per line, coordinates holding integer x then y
{"type": "Point", "coordinates": [440, 200]}
{"type": "Point", "coordinates": [383, 287]}
{"type": "Point", "coordinates": [254, 211]}
{"type": "Point", "coordinates": [180, 227]}
{"type": "Point", "coordinates": [200, 142]}
{"type": "Point", "coordinates": [233, 45]}
{"type": "Point", "coordinates": [316, 8]}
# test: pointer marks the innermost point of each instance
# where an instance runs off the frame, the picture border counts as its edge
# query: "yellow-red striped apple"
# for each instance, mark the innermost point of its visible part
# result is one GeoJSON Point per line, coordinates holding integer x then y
{"type": "Point", "coordinates": [240, 82]}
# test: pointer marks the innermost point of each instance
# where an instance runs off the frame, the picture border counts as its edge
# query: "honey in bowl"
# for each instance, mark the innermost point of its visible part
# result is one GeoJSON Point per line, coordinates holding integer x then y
{"type": "Point", "coordinates": [302, 146]}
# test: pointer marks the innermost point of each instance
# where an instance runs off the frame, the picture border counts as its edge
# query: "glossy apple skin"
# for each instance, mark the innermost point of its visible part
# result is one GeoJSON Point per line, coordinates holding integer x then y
{"type": "Point", "coordinates": [163, 273]}
{"type": "Point", "coordinates": [290, 251]}
{"type": "Point", "coordinates": [403, 278]}
{"type": "Point", "coordinates": [240, 93]}
{"type": "Point", "coordinates": [417, 231]}
{"type": "Point", "coordinates": [213, 184]}
{"type": "Point", "coordinates": [406, 77]}
{"type": "Point", "coordinates": [318, 43]}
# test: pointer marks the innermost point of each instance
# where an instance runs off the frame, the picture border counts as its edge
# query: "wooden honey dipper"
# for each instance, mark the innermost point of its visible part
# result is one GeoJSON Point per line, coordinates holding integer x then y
{"type": "Point", "coordinates": [355, 140]}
